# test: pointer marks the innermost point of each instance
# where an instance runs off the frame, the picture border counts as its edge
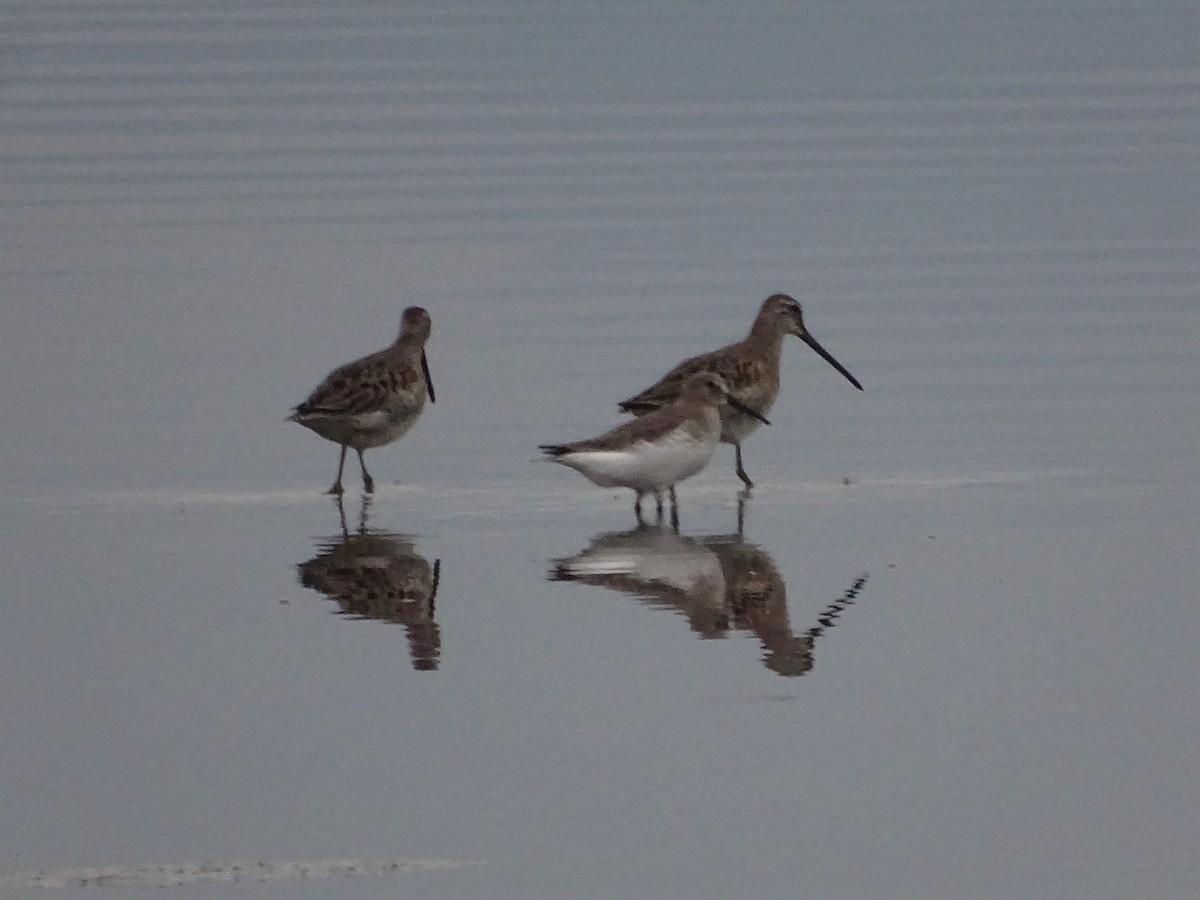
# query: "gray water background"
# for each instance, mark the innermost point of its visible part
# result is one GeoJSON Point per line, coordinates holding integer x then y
{"type": "Point", "coordinates": [990, 212]}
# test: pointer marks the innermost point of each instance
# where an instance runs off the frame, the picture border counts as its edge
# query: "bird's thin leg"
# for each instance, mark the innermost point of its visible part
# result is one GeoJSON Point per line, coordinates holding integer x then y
{"type": "Point", "coordinates": [658, 507]}
{"type": "Point", "coordinates": [675, 517]}
{"type": "Point", "coordinates": [674, 499]}
{"type": "Point", "coordinates": [741, 471]}
{"type": "Point", "coordinates": [363, 513]}
{"type": "Point", "coordinates": [337, 484]}
{"type": "Point", "coordinates": [637, 507]}
{"type": "Point", "coordinates": [368, 481]}
{"type": "Point", "coordinates": [337, 498]}
{"type": "Point", "coordinates": [742, 498]}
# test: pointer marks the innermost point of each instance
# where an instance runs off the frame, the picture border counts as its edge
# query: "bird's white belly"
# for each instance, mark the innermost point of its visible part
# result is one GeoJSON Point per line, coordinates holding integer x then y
{"type": "Point", "coordinates": [378, 428]}
{"type": "Point", "coordinates": [645, 465]}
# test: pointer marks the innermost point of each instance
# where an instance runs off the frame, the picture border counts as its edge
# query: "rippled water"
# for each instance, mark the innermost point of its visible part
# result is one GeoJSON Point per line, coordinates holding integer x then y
{"type": "Point", "coordinates": [949, 651]}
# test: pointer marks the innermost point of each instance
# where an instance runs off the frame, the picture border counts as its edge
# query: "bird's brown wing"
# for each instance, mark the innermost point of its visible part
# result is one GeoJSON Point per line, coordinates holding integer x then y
{"type": "Point", "coordinates": [639, 429]}
{"type": "Point", "coordinates": [723, 362]}
{"type": "Point", "coordinates": [362, 386]}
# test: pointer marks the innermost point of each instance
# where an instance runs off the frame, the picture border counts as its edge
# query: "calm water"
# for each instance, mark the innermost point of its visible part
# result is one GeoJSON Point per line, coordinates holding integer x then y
{"type": "Point", "coordinates": [951, 652]}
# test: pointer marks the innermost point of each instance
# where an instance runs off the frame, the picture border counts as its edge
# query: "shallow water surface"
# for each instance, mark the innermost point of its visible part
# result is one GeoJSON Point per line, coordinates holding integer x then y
{"type": "Point", "coordinates": [945, 648]}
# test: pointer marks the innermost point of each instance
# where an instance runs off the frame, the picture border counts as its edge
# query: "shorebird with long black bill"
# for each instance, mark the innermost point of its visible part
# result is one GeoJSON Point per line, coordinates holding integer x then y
{"type": "Point", "coordinates": [750, 368]}
{"type": "Point", "coordinates": [374, 400]}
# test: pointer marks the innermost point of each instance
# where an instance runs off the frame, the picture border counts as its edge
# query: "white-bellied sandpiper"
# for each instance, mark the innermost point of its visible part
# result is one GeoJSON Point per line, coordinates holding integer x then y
{"type": "Point", "coordinates": [653, 453]}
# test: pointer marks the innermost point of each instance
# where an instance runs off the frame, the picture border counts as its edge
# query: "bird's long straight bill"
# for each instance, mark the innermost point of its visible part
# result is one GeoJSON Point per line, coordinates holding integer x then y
{"type": "Point", "coordinates": [742, 407]}
{"type": "Point", "coordinates": [828, 357]}
{"type": "Point", "coordinates": [428, 380]}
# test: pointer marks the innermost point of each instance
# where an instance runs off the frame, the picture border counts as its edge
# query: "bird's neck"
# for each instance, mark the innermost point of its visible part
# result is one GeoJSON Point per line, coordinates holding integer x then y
{"type": "Point", "coordinates": [767, 337]}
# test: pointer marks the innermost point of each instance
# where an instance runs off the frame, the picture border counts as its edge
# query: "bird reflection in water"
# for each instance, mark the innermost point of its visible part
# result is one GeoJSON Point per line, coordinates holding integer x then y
{"type": "Point", "coordinates": [656, 565]}
{"type": "Point", "coordinates": [719, 583]}
{"type": "Point", "coordinates": [757, 601]}
{"type": "Point", "coordinates": [373, 574]}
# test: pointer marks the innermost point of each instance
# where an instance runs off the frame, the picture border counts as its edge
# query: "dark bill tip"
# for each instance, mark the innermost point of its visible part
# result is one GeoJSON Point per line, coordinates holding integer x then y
{"type": "Point", "coordinates": [742, 407]}
{"type": "Point", "coordinates": [828, 357]}
{"type": "Point", "coordinates": [428, 380]}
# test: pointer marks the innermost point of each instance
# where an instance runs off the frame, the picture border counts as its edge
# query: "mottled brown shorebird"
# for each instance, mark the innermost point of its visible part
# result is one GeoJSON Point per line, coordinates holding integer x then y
{"type": "Point", "coordinates": [656, 451]}
{"type": "Point", "coordinates": [374, 400]}
{"type": "Point", "coordinates": [750, 367]}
